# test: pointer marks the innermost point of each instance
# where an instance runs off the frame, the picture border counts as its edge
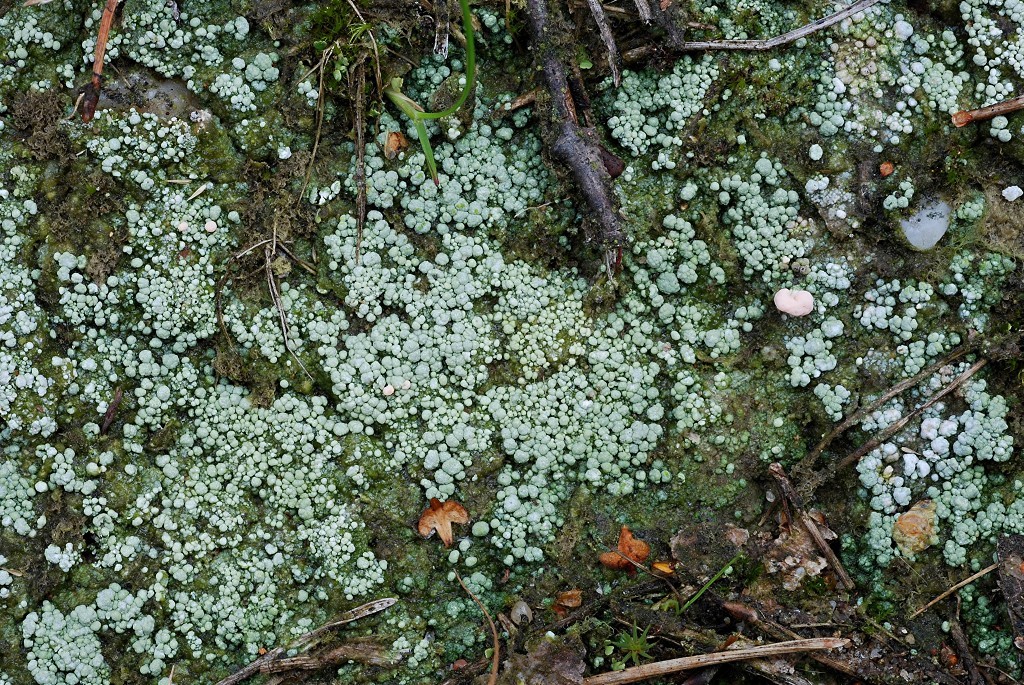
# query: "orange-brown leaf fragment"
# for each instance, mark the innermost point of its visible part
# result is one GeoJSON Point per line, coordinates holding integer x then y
{"type": "Point", "coordinates": [395, 143]}
{"type": "Point", "coordinates": [440, 516]}
{"type": "Point", "coordinates": [665, 567]}
{"type": "Point", "coordinates": [570, 599]}
{"type": "Point", "coordinates": [630, 549]}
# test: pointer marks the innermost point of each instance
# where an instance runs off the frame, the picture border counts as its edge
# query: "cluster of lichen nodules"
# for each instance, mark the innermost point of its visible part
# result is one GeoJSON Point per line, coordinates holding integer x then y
{"type": "Point", "coordinates": [448, 357]}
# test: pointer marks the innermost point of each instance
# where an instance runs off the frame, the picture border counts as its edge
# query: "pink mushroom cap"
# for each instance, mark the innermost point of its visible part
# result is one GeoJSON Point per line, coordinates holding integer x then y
{"type": "Point", "coordinates": [794, 302]}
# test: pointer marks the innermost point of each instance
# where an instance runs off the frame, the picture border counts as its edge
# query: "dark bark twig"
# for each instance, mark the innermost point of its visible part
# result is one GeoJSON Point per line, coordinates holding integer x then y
{"type": "Point", "coordinates": [360, 175]}
{"type": "Point", "coordinates": [575, 146]}
{"type": "Point", "coordinates": [644, 10]}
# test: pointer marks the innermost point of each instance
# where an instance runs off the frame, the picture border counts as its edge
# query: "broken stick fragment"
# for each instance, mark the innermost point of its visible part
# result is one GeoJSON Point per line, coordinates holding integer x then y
{"type": "Point", "coordinates": [962, 118]}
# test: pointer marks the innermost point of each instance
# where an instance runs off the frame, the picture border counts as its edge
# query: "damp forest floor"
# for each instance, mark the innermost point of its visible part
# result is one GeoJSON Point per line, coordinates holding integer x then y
{"type": "Point", "coordinates": [259, 374]}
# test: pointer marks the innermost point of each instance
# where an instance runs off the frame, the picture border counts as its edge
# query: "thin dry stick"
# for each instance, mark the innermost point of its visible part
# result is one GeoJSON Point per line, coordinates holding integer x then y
{"type": "Point", "coordinates": [686, 663]}
{"type": "Point", "coordinates": [644, 10]}
{"type": "Point", "coordinates": [807, 463]}
{"type": "Point", "coordinates": [493, 678]}
{"type": "Point", "coordinates": [898, 426]}
{"type": "Point", "coordinates": [947, 593]}
{"type": "Point", "coordinates": [789, 492]}
{"type": "Point", "coordinates": [306, 266]}
{"type": "Point", "coordinates": [376, 49]}
{"type": "Point", "coordinates": [254, 667]}
{"type": "Point", "coordinates": [609, 40]}
{"type": "Point", "coordinates": [777, 631]}
{"type": "Point", "coordinates": [755, 45]}
{"type": "Point", "coordinates": [361, 611]}
{"type": "Point", "coordinates": [92, 89]}
{"type": "Point", "coordinates": [785, 38]}
{"type": "Point", "coordinates": [320, 106]}
{"type": "Point", "coordinates": [961, 119]}
{"type": "Point", "coordinates": [360, 107]}
{"type": "Point", "coordinates": [275, 295]}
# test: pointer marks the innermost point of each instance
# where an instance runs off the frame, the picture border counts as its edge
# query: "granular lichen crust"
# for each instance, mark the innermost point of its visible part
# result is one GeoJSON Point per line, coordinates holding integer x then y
{"type": "Point", "coordinates": [224, 399]}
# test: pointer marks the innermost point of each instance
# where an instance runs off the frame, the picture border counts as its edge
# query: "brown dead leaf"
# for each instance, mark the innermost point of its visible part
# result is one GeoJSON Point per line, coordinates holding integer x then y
{"type": "Point", "coordinates": [570, 599]}
{"type": "Point", "coordinates": [395, 143]}
{"type": "Point", "coordinates": [794, 555]}
{"type": "Point", "coordinates": [440, 516]}
{"type": "Point", "coordinates": [630, 549]}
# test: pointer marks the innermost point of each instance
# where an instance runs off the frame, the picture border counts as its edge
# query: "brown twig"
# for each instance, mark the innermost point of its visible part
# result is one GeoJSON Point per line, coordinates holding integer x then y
{"type": "Point", "coordinates": [961, 584]}
{"type": "Point", "coordinates": [808, 522]}
{"type": "Point", "coordinates": [963, 650]}
{"type": "Point", "coordinates": [686, 663]}
{"type": "Point", "coordinates": [518, 102]}
{"type": "Point", "coordinates": [92, 89]}
{"type": "Point", "coordinates": [492, 679]}
{"type": "Point", "coordinates": [576, 146]}
{"type": "Point", "coordinates": [962, 118]}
